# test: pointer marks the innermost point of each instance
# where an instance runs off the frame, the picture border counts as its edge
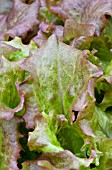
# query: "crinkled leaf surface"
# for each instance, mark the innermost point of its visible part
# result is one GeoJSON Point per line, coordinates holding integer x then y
{"type": "Point", "coordinates": [10, 144]}
{"type": "Point", "coordinates": [85, 12]}
{"type": "Point", "coordinates": [75, 30]}
{"type": "Point", "coordinates": [22, 51]}
{"type": "Point", "coordinates": [68, 9]}
{"type": "Point", "coordinates": [47, 29]}
{"type": "Point", "coordinates": [95, 13]}
{"type": "Point", "coordinates": [54, 80]}
{"type": "Point", "coordinates": [40, 38]}
{"type": "Point", "coordinates": [17, 43]}
{"type": "Point", "coordinates": [45, 67]}
{"type": "Point", "coordinates": [95, 121]}
{"type": "Point", "coordinates": [43, 138]}
{"type": "Point", "coordinates": [49, 64]}
{"type": "Point", "coordinates": [21, 19]}
{"type": "Point", "coordinates": [103, 45]}
{"type": "Point", "coordinates": [63, 160]}
{"type": "Point", "coordinates": [49, 98]}
{"type": "Point", "coordinates": [90, 19]}
{"type": "Point", "coordinates": [11, 100]}
{"type": "Point", "coordinates": [6, 50]}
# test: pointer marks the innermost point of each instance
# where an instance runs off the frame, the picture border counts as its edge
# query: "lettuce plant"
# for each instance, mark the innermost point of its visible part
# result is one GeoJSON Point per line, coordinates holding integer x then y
{"type": "Point", "coordinates": [56, 85]}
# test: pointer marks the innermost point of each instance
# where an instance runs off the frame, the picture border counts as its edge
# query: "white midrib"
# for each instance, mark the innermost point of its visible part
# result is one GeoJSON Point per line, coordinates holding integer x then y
{"type": "Point", "coordinates": [59, 81]}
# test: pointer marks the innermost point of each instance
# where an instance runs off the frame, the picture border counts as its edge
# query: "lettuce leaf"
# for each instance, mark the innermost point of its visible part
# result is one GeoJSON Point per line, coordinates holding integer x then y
{"type": "Point", "coordinates": [11, 99]}
{"type": "Point", "coordinates": [54, 117]}
{"type": "Point", "coordinates": [73, 30]}
{"type": "Point", "coordinates": [45, 64]}
{"type": "Point", "coordinates": [84, 12]}
{"type": "Point", "coordinates": [10, 144]}
{"type": "Point", "coordinates": [19, 17]}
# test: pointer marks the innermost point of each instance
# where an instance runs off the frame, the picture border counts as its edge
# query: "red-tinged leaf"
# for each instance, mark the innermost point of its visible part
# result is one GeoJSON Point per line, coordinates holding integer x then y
{"type": "Point", "coordinates": [51, 63]}
{"type": "Point", "coordinates": [6, 50]}
{"type": "Point", "coordinates": [63, 160]}
{"type": "Point", "coordinates": [85, 12]}
{"type": "Point", "coordinates": [46, 30]}
{"type": "Point", "coordinates": [10, 144]}
{"type": "Point", "coordinates": [40, 38]}
{"type": "Point", "coordinates": [5, 6]}
{"type": "Point", "coordinates": [21, 19]}
{"type": "Point", "coordinates": [68, 9]}
{"type": "Point", "coordinates": [75, 30]}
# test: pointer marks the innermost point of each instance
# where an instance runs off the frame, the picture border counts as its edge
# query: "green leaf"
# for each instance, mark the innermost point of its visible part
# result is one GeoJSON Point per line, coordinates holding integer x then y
{"type": "Point", "coordinates": [75, 141]}
{"type": "Point", "coordinates": [11, 100]}
{"type": "Point", "coordinates": [43, 138]}
{"type": "Point", "coordinates": [103, 45]}
{"type": "Point", "coordinates": [45, 13]}
{"type": "Point", "coordinates": [49, 98]}
{"type": "Point", "coordinates": [103, 50]}
{"type": "Point", "coordinates": [22, 50]}
{"type": "Point", "coordinates": [105, 145]}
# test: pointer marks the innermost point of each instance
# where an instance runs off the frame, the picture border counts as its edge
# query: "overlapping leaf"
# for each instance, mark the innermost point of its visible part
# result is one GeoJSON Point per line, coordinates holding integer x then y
{"type": "Point", "coordinates": [75, 30]}
{"type": "Point", "coordinates": [63, 160]}
{"type": "Point", "coordinates": [11, 99]}
{"type": "Point", "coordinates": [21, 19]}
{"type": "Point", "coordinates": [94, 119]}
{"type": "Point", "coordinates": [51, 64]}
{"type": "Point", "coordinates": [61, 92]}
{"type": "Point", "coordinates": [21, 50]}
{"type": "Point", "coordinates": [68, 9]}
{"type": "Point", "coordinates": [85, 12]}
{"type": "Point", "coordinates": [49, 98]}
{"type": "Point", "coordinates": [10, 144]}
